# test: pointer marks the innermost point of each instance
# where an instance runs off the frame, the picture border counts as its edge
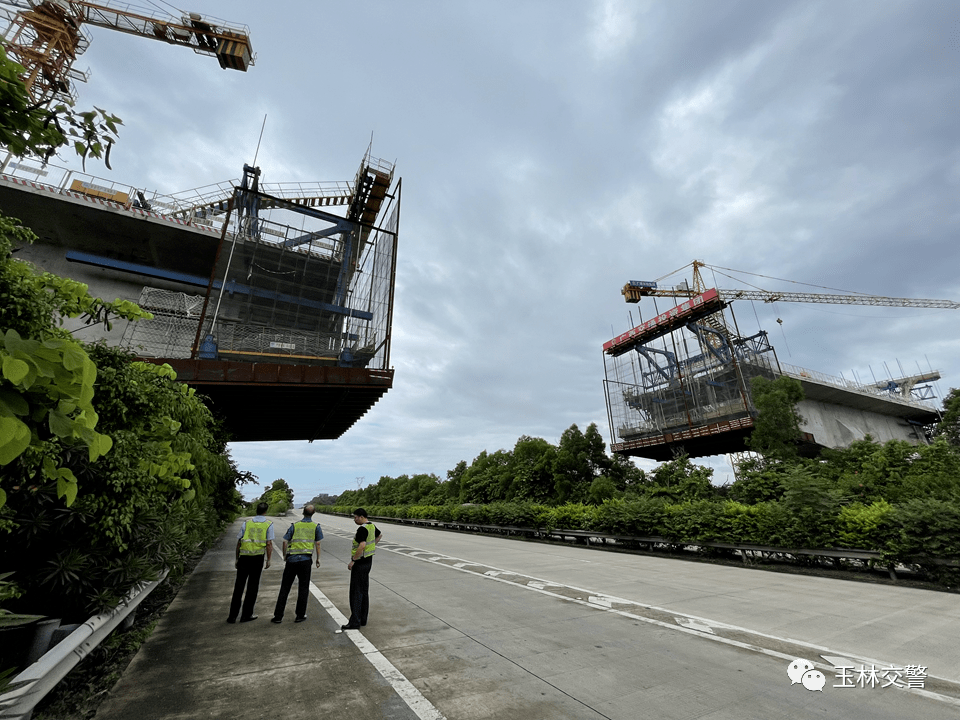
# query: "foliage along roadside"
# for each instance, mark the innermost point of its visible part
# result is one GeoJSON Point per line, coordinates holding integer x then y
{"type": "Point", "coordinates": [896, 498]}
{"type": "Point", "coordinates": [912, 533]}
{"type": "Point", "coordinates": [110, 470]}
{"type": "Point", "coordinates": [278, 497]}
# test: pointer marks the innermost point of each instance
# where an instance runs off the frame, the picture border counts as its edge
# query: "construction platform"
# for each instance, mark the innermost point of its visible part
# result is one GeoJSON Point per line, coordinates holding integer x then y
{"type": "Point", "coordinates": [681, 382]}
{"type": "Point", "coordinates": [276, 301]}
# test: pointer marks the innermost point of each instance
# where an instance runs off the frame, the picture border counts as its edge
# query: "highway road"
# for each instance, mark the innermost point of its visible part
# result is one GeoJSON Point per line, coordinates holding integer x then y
{"type": "Point", "coordinates": [465, 626]}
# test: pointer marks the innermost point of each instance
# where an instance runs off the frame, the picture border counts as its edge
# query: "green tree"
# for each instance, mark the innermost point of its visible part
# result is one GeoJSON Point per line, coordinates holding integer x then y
{"type": "Point", "coordinates": [487, 478]}
{"type": "Point", "coordinates": [626, 476]}
{"type": "Point", "coordinates": [680, 480]}
{"type": "Point", "coordinates": [758, 482]}
{"type": "Point", "coordinates": [279, 497]}
{"type": "Point", "coordinates": [602, 488]}
{"type": "Point", "coordinates": [776, 430]}
{"type": "Point", "coordinates": [532, 466]}
{"type": "Point", "coordinates": [812, 503]}
{"type": "Point", "coordinates": [164, 486]}
{"type": "Point", "coordinates": [454, 479]}
{"type": "Point", "coordinates": [949, 426]}
{"type": "Point", "coordinates": [47, 382]}
{"type": "Point", "coordinates": [580, 458]}
{"type": "Point", "coordinates": [28, 128]}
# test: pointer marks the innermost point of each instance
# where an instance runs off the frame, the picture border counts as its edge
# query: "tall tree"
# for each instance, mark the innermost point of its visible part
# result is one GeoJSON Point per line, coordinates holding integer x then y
{"type": "Point", "coordinates": [949, 425]}
{"type": "Point", "coordinates": [776, 429]}
{"type": "Point", "coordinates": [581, 457]}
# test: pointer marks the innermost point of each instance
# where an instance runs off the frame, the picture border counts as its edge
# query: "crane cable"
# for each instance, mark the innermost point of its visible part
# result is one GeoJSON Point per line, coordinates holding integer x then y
{"type": "Point", "coordinates": [181, 12]}
{"type": "Point", "coordinates": [794, 282]}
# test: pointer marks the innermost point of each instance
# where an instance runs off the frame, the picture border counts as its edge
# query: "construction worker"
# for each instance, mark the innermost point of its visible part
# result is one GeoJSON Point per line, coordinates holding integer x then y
{"type": "Point", "coordinates": [361, 562]}
{"type": "Point", "coordinates": [255, 541]}
{"type": "Point", "coordinates": [299, 542]}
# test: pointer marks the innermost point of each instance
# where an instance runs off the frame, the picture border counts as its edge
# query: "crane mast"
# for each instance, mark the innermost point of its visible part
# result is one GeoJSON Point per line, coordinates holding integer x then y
{"type": "Point", "coordinates": [46, 37]}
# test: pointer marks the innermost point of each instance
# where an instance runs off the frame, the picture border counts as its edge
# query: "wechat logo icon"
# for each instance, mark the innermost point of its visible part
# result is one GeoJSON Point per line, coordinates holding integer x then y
{"type": "Point", "coordinates": [802, 671]}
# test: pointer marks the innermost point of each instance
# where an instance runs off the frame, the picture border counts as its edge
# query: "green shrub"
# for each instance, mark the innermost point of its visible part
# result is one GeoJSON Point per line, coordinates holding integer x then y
{"type": "Point", "coordinates": [573, 516]}
{"type": "Point", "coordinates": [862, 526]}
{"type": "Point", "coordinates": [919, 530]}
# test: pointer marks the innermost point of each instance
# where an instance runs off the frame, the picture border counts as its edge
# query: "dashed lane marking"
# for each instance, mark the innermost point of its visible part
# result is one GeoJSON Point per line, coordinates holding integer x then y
{"type": "Point", "coordinates": [689, 624]}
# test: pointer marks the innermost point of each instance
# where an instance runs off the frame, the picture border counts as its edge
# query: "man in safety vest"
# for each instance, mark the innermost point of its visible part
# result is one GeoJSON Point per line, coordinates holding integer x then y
{"type": "Point", "coordinates": [255, 541]}
{"type": "Point", "coordinates": [361, 562]}
{"type": "Point", "coordinates": [299, 543]}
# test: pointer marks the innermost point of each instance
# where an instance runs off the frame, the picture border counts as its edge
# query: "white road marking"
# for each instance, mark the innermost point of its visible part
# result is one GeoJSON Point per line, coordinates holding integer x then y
{"type": "Point", "coordinates": [838, 661]}
{"type": "Point", "coordinates": [694, 625]}
{"type": "Point", "coordinates": [423, 708]}
{"type": "Point", "coordinates": [539, 585]}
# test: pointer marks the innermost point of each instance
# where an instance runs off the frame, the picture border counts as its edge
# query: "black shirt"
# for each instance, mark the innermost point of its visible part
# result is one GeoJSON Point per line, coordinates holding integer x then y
{"type": "Point", "coordinates": [361, 536]}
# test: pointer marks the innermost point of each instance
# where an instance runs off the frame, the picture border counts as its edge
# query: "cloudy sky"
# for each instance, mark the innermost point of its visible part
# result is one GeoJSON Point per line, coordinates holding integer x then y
{"type": "Point", "coordinates": [550, 151]}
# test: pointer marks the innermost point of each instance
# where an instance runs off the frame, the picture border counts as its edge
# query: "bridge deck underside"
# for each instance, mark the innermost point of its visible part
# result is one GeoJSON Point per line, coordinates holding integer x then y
{"type": "Point", "coordinates": [270, 401]}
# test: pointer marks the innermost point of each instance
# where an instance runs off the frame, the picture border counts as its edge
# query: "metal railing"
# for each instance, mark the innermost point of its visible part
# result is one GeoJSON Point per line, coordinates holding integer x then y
{"type": "Point", "coordinates": [33, 684]}
{"type": "Point", "coordinates": [874, 391]}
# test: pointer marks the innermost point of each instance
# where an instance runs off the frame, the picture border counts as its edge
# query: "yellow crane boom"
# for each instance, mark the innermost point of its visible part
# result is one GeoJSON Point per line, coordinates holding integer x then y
{"type": "Point", "coordinates": [635, 290]}
{"type": "Point", "coordinates": [633, 294]}
{"type": "Point", "coordinates": [46, 36]}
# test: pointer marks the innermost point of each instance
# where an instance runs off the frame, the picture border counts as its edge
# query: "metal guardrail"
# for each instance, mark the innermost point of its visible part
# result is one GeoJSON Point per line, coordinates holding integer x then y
{"type": "Point", "coordinates": [29, 687]}
{"type": "Point", "coordinates": [747, 552]}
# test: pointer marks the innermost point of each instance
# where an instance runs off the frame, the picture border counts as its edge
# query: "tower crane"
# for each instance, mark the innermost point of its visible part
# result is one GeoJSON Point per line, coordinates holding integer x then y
{"type": "Point", "coordinates": [46, 36]}
{"type": "Point", "coordinates": [634, 290]}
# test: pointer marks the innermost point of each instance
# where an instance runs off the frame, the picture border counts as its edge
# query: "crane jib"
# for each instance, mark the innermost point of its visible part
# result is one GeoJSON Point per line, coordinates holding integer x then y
{"type": "Point", "coordinates": [877, 300]}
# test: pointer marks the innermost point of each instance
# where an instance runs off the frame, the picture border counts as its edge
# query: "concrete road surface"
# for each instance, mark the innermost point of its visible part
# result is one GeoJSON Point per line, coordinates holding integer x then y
{"type": "Point", "coordinates": [465, 627]}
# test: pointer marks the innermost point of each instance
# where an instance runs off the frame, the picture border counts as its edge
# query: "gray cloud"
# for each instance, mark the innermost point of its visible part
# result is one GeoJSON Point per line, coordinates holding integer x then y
{"type": "Point", "coordinates": [552, 151]}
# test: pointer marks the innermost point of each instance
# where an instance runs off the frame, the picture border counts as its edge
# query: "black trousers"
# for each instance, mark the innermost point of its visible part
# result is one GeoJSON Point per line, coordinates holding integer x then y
{"type": "Point", "coordinates": [249, 569]}
{"type": "Point", "coordinates": [360, 592]}
{"type": "Point", "coordinates": [301, 571]}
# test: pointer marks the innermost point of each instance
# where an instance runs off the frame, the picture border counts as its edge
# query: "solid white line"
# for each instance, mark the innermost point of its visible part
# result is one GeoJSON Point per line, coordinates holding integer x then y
{"type": "Point", "coordinates": [423, 708]}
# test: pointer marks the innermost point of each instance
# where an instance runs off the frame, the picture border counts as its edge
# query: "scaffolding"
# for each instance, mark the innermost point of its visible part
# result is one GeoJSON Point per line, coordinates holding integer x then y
{"type": "Point", "coordinates": [292, 283]}
{"type": "Point", "coordinates": [683, 375]}
{"type": "Point", "coordinates": [682, 382]}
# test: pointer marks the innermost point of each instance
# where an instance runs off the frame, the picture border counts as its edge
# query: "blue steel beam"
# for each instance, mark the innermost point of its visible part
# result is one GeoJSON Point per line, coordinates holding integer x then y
{"type": "Point", "coordinates": [196, 280]}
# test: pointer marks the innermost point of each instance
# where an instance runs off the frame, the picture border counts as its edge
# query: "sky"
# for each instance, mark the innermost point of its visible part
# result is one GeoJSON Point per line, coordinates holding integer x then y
{"type": "Point", "coordinates": [550, 152]}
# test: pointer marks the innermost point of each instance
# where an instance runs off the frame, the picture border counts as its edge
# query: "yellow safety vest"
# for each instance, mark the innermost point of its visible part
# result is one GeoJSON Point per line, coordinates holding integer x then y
{"type": "Point", "coordinates": [254, 540]}
{"type": "Point", "coordinates": [371, 545]}
{"type": "Point", "coordinates": [304, 533]}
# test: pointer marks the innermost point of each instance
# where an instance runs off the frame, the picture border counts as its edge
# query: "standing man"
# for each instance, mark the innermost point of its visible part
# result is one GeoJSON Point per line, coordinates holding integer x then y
{"type": "Point", "coordinates": [302, 539]}
{"type": "Point", "coordinates": [255, 539]}
{"type": "Point", "coordinates": [361, 562]}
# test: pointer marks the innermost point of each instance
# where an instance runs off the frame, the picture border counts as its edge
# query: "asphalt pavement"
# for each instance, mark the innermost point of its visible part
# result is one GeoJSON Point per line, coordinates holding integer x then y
{"type": "Point", "coordinates": [463, 626]}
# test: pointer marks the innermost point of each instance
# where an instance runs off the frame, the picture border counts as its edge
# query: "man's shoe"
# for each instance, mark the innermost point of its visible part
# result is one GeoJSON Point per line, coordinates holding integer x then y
{"type": "Point", "coordinates": [300, 619]}
{"type": "Point", "coordinates": [231, 620]}
{"type": "Point", "coordinates": [276, 620]}
{"type": "Point", "coordinates": [349, 627]}
{"type": "Point", "coordinates": [248, 619]}
{"type": "Point", "coordinates": [363, 624]}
